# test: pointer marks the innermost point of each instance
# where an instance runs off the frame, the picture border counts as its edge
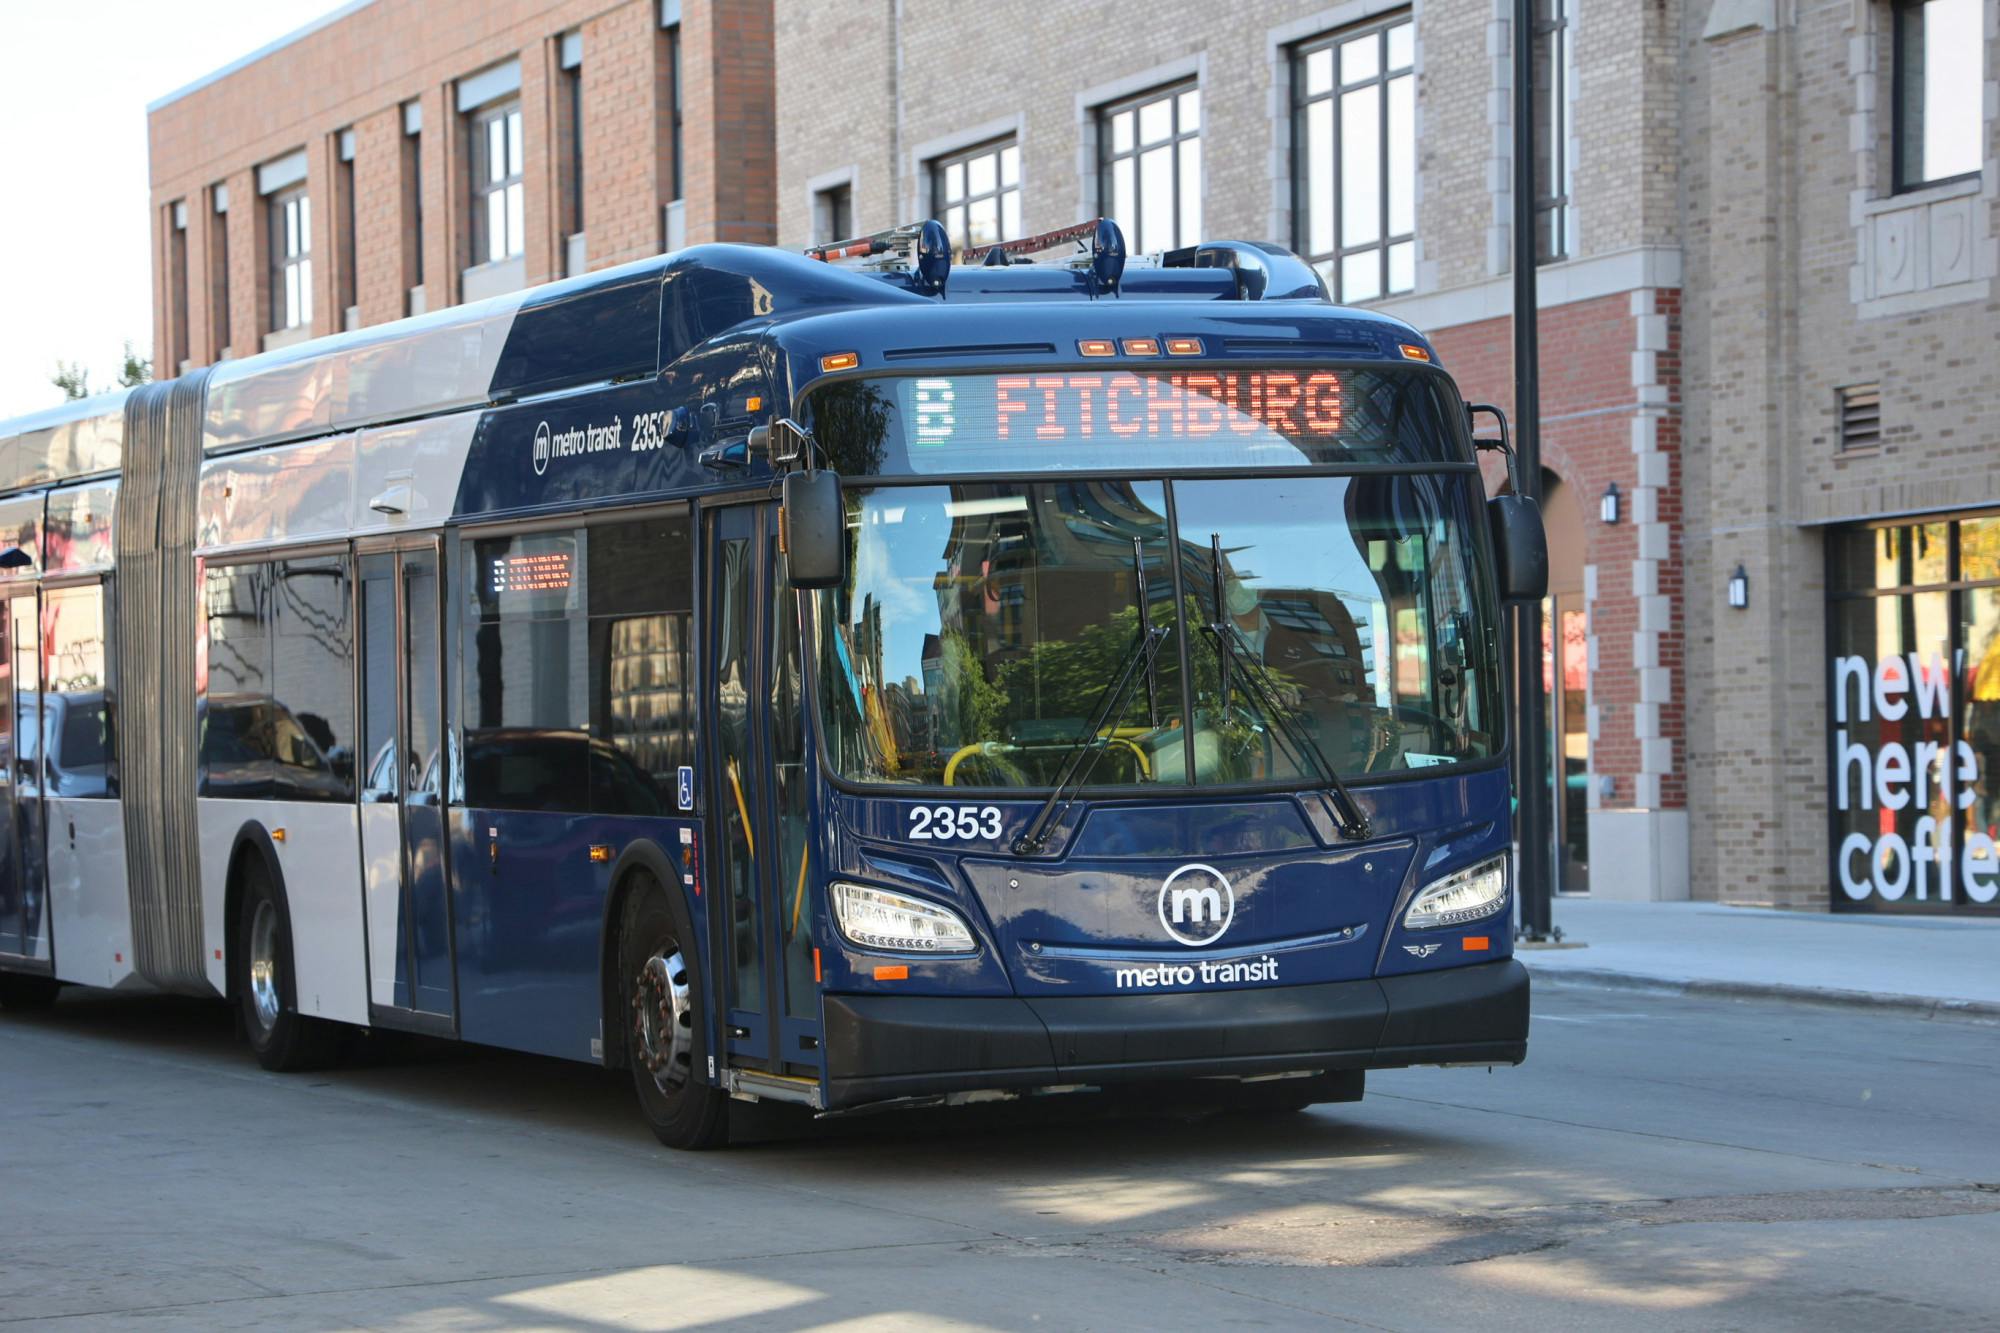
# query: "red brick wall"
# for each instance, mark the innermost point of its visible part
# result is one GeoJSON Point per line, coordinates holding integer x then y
{"type": "Point", "coordinates": [1590, 401]}
{"type": "Point", "coordinates": [357, 73]}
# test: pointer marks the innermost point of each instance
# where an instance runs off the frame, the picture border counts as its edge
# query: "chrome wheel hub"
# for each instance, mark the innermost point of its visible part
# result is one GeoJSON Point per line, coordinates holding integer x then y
{"type": "Point", "coordinates": [264, 965]}
{"type": "Point", "coordinates": [663, 1021]}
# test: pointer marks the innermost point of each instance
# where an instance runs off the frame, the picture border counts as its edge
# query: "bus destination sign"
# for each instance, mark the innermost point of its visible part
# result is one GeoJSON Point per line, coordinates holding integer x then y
{"type": "Point", "coordinates": [1079, 407]}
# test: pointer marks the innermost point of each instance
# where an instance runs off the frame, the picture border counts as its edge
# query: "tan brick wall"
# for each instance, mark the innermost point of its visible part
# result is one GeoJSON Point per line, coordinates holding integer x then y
{"type": "Point", "coordinates": [1777, 170]}
{"type": "Point", "coordinates": [357, 72]}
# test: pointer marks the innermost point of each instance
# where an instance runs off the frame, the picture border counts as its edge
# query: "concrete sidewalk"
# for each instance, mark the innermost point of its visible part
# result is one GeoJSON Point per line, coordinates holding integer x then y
{"type": "Point", "coordinates": [1943, 966]}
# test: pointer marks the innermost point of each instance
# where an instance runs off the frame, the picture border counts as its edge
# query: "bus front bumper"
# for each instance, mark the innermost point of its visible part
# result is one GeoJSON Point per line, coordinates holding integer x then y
{"type": "Point", "coordinates": [882, 1048]}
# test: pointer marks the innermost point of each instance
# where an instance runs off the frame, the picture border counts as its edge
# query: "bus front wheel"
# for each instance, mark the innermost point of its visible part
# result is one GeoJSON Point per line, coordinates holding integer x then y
{"type": "Point", "coordinates": [267, 1010]}
{"type": "Point", "coordinates": [666, 1021]}
{"type": "Point", "coordinates": [23, 993]}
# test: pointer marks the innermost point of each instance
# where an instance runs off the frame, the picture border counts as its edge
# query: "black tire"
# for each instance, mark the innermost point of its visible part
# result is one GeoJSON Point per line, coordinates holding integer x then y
{"type": "Point", "coordinates": [27, 994]}
{"type": "Point", "coordinates": [260, 961]}
{"type": "Point", "coordinates": [666, 1020]}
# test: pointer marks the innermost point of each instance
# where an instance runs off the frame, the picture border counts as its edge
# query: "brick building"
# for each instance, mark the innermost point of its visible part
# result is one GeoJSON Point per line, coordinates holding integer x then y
{"type": "Point", "coordinates": [1767, 291]}
{"type": "Point", "coordinates": [404, 155]}
{"type": "Point", "coordinates": [1767, 312]}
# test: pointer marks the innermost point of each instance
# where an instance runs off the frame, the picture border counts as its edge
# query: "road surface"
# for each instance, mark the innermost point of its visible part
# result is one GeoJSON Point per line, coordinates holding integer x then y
{"type": "Point", "coordinates": [1660, 1162]}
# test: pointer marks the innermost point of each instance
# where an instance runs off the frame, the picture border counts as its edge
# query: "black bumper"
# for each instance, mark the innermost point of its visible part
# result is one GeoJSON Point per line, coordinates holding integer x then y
{"type": "Point", "coordinates": [880, 1047]}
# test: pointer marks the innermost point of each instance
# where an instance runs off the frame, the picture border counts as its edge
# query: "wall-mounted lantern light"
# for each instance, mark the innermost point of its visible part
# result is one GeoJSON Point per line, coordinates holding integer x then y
{"type": "Point", "coordinates": [1607, 508]}
{"type": "Point", "coordinates": [1739, 589]}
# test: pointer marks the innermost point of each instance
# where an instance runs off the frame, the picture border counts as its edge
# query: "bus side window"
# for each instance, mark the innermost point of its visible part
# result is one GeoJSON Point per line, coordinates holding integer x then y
{"type": "Point", "coordinates": [641, 605]}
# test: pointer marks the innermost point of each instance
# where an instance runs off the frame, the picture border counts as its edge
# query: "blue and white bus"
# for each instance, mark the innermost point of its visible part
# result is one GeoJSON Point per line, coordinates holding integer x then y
{"type": "Point", "coordinates": [832, 679]}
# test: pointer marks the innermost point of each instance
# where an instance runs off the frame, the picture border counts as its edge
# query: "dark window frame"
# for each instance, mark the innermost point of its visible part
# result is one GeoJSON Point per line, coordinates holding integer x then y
{"type": "Point", "coordinates": [511, 245]}
{"type": "Point", "coordinates": [942, 204]}
{"type": "Point", "coordinates": [1377, 30]}
{"type": "Point", "coordinates": [289, 215]}
{"type": "Point", "coordinates": [833, 213]}
{"type": "Point", "coordinates": [1109, 156]}
{"type": "Point", "coordinates": [1954, 586]}
{"type": "Point", "coordinates": [1899, 110]}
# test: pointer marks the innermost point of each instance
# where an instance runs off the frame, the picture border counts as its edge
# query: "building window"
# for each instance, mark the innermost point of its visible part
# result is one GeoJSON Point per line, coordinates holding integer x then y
{"type": "Point", "coordinates": [977, 194]}
{"type": "Point", "coordinates": [1354, 121]}
{"type": "Point", "coordinates": [833, 214]}
{"type": "Point", "coordinates": [346, 247]}
{"type": "Point", "coordinates": [1914, 634]}
{"type": "Point", "coordinates": [570, 50]}
{"type": "Point", "coordinates": [498, 204]}
{"type": "Point", "coordinates": [1550, 53]}
{"type": "Point", "coordinates": [1937, 95]}
{"type": "Point", "coordinates": [291, 259]}
{"type": "Point", "coordinates": [413, 198]}
{"type": "Point", "coordinates": [674, 101]}
{"type": "Point", "coordinates": [218, 273]}
{"type": "Point", "coordinates": [177, 267]}
{"type": "Point", "coordinates": [1860, 417]}
{"type": "Point", "coordinates": [1150, 159]}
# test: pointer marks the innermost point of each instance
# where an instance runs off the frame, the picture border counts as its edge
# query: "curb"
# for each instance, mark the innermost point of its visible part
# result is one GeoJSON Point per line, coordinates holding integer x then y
{"type": "Point", "coordinates": [1981, 1011]}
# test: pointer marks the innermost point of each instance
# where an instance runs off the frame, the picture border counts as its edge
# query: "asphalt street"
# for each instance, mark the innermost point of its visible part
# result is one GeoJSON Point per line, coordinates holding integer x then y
{"type": "Point", "coordinates": [1662, 1161]}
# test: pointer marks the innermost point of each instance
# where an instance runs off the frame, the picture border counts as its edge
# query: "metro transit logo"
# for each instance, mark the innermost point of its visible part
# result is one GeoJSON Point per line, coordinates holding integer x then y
{"type": "Point", "coordinates": [541, 448]}
{"type": "Point", "coordinates": [1199, 898]}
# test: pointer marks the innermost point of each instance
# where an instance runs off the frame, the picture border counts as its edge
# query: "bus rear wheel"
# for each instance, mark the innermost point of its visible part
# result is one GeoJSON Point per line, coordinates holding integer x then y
{"type": "Point", "coordinates": [25, 994]}
{"type": "Point", "coordinates": [280, 1036]}
{"type": "Point", "coordinates": [666, 1025]}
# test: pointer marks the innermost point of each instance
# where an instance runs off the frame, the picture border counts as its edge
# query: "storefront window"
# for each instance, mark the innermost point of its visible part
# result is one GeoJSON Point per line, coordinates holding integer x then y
{"type": "Point", "coordinates": [1915, 702]}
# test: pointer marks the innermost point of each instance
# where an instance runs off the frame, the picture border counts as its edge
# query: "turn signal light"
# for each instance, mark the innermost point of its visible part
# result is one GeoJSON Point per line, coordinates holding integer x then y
{"type": "Point", "coordinates": [599, 853]}
{"type": "Point", "coordinates": [1183, 347]}
{"type": "Point", "coordinates": [892, 972]}
{"type": "Point", "coordinates": [839, 361]}
{"type": "Point", "coordinates": [1097, 347]}
{"type": "Point", "coordinates": [1142, 347]}
{"type": "Point", "coordinates": [1412, 352]}
{"type": "Point", "coordinates": [1477, 943]}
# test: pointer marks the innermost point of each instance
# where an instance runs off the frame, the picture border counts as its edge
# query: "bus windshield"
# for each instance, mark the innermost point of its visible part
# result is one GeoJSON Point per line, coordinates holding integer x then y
{"type": "Point", "coordinates": [982, 624]}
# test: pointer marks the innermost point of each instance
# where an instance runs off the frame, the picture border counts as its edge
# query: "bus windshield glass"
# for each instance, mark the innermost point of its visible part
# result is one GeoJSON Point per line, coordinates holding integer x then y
{"type": "Point", "coordinates": [982, 625]}
{"type": "Point", "coordinates": [1122, 420]}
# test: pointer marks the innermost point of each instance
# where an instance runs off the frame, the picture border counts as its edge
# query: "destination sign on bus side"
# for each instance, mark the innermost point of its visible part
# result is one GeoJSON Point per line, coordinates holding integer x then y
{"type": "Point", "coordinates": [1080, 406]}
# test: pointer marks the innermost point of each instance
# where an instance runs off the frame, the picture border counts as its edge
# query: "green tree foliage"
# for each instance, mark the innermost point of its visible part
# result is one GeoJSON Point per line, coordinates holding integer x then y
{"type": "Point", "coordinates": [72, 379]}
{"type": "Point", "coordinates": [137, 369]}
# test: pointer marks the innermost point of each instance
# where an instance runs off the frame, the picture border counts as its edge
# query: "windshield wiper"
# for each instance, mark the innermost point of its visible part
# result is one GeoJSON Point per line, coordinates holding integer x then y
{"type": "Point", "coordinates": [1088, 747]}
{"type": "Point", "coordinates": [1230, 648]}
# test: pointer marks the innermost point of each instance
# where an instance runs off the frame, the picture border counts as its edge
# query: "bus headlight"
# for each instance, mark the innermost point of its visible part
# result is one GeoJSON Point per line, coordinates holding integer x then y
{"type": "Point", "coordinates": [1464, 895]}
{"type": "Point", "coordinates": [883, 919]}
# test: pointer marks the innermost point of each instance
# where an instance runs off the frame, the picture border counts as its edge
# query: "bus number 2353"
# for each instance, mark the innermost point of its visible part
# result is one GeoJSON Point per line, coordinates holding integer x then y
{"type": "Point", "coordinates": [947, 822]}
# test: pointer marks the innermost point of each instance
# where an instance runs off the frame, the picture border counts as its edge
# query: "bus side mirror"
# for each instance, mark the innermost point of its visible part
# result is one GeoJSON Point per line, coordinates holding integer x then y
{"type": "Point", "coordinates": [1520, 548]}
{"type": "Point", "coordinates": [813, 529]}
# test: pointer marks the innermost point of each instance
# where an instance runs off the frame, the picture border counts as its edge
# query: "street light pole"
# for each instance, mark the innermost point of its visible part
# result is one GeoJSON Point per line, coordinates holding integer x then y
{"type": "Point", "coordinates": [1531, 739]}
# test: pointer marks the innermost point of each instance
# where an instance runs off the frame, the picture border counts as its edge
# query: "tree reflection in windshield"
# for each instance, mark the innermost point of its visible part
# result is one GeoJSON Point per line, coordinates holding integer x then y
{"type": "Point", "coordinates": [982, 624]}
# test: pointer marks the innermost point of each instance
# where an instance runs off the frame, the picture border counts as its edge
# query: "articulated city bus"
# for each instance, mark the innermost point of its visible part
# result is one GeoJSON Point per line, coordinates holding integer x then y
{"type": "Point", "coordinates": [832, 679]}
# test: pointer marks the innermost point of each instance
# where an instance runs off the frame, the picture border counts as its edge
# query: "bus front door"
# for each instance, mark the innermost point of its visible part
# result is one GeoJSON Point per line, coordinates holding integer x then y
{"type": "Point", "coordinates": [24, 922]}
{"type": "Point", "coordinates": [759, 850]}
{"type": "Point", "coordinates": [403, 790]}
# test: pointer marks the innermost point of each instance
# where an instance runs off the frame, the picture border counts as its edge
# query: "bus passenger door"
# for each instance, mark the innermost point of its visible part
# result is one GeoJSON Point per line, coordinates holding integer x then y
{"type": "Point", "coordinates": [757, 810]}
{"type": "Point", "coordinates": [24, 925]}
{"type": "Point", "coordinates": [402, 790]}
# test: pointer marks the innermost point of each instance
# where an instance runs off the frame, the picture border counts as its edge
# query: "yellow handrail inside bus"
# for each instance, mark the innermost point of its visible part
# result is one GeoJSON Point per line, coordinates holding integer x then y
{"type": "Point", "coordinates": [742, 809]}
{"type": "Point", "coordinates": [982, 747]}
{"type": "Point", "coordinates": [799, 898]}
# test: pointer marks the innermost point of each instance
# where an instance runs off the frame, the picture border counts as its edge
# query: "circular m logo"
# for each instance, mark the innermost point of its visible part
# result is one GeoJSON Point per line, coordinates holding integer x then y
{"type": "Point", "coordinates": [541, 448]}
{"type": "Point", "coordinates": [1196, 905]}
